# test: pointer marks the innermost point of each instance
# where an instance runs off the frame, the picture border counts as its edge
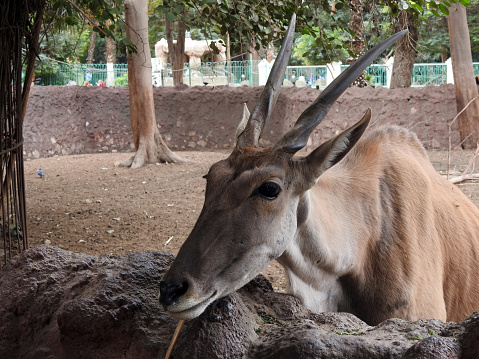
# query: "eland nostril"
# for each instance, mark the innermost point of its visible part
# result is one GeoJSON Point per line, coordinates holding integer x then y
{"type": "Point", "coordinates": [170, 292]}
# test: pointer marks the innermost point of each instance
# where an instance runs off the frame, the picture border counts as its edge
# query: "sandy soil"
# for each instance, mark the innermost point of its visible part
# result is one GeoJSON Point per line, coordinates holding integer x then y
{"type": "Point", "coordinates": [87, 204]}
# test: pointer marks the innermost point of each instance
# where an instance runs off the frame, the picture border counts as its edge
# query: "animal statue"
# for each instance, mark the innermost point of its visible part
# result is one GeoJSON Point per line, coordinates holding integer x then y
{"type": "Point", "coordinates": [362, 224]}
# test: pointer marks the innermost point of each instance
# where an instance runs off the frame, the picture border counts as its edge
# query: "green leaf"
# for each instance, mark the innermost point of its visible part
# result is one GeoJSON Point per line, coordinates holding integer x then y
{"type": "Point", "coordinates": [170, 16]}
{"type": "Point", "coordinates": [443, 9]}
{"type": "Point", "coordinates": [465, 2]}
{"type": "Point", "coordinates": [254, 16]}
{"type": "Point", "coordinates": [115, 11]}
{"type": "Point", "coordinates": [416, 7]}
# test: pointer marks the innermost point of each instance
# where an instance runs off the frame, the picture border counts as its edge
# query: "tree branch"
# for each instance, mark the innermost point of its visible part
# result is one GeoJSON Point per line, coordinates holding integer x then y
{"type": "Point", "coordinates": [463, 178]}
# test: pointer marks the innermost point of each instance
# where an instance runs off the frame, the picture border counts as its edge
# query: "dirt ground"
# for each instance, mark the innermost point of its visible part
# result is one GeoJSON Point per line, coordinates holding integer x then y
{"type": "Point", "coordinates": [87, 204]}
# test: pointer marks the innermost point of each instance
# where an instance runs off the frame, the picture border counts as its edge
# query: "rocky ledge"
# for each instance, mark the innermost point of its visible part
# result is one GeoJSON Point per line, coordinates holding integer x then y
{"type": "Point", "coordinates": [59, 304]}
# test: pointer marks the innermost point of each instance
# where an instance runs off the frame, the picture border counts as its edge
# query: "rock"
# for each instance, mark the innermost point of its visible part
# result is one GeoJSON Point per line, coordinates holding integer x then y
{"type": "Point", "coordinates": [59, 304]}
{"type": "Point", "coordinates": [300, 83]}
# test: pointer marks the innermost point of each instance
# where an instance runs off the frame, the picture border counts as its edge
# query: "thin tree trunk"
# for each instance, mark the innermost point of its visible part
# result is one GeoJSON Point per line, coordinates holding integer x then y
{"type": "Point", "coordinates": [405, 51]}
{"type": "Point", "coordinates": [176, 50]}
{"type": "Point", "coordinates": [110, 50]}
{"type": "Point", "coordinates": [32, 52]}
{"type": "Point", "coordinates": [357, 43]}
{"type": "Point", "coordinates": [228, 47]}
{"type": "Point", "coordinates": [356, 24]}
{"type": "Point", "coordinates": [228, 58]}
{"type": "Point", "coordinates": [463, 71]}
{"type": "Point", "coordinates": [110, 57]}
{"type": "Point", "coordinates": [149, 145]}
{"type": "Point", "coordinates": [254, 53]}
{"type": "Point", "coordinates": [444, 54]}
{"type": "Point", "coordinates": [91, 48]}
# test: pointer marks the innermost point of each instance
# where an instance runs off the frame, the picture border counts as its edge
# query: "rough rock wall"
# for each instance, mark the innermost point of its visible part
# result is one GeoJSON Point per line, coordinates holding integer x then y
{"type": "Point", "coordinates": [59, 304]}
{"type": "Point", "coordinates": [74, 119]}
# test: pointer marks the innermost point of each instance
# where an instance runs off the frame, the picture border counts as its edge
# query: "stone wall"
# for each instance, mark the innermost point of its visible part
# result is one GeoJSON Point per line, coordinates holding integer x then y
{"type": "Point", "coordinates": [72, 119]}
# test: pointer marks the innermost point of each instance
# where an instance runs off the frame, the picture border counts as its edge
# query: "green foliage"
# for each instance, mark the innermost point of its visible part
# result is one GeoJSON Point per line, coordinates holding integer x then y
{"type": "Point", "coordinates": [104, 16]}
{"type": "Point", "coordinates": [323, 35]}
{"type": "Point", "coordinates": [122, 80]}
{"type": "Point", "coordinates": [62, 12]}
{"type": "Point", "coordinates": [65, 45]}
{"type": "Point", "coordinates": [308, 51]}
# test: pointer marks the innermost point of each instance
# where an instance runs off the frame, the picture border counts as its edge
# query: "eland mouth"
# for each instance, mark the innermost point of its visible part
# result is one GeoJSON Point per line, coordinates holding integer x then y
{"type": "Point", "coordinates": [183, 306]}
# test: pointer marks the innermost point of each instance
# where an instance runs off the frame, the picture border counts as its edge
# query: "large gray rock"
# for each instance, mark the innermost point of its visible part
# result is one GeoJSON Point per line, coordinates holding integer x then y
{"type": "Point", "coordinates": [59, 304]}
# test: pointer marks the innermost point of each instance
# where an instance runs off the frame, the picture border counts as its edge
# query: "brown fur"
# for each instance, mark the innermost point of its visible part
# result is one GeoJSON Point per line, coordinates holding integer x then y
{"type": "Point", "coordinates": [379, 234]}
{"type": "Point", "coordinates": [420, 253]}
{"type": "Point", "coordinates": [367, 227]}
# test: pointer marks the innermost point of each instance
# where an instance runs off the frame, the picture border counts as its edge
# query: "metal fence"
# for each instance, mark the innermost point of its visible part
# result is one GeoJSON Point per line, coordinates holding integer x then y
{"type": "Point", "coordinates": [429, 74]}
{"type": "Point", "coordinates": [214, 73]}
{"type": "Point", "coordinates": [58, 74]}
{"type": "Point", "coordinates": [251, 72]}
{"type": "Point", "coordinates": [310, 74]}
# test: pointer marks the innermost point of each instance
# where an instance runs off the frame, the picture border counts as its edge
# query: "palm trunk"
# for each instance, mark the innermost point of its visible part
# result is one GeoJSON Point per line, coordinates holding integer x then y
{"type": "Point", "coordinates": [110, 56]}
{"type": "Point", "coordinates": [405, 54]}
{"type": "Point", "coordinates": [357, 43]}
{"type": "Point", "coordinates": [91, 48]}
{"type": "Point", "coordinates": [356, 24]}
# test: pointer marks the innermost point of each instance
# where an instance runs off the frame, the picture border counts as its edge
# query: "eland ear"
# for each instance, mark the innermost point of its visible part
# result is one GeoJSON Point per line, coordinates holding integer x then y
{"type": "Point", "coordinates": [334, 150]}
{"type": "Point", "coordinates": [243, 123]}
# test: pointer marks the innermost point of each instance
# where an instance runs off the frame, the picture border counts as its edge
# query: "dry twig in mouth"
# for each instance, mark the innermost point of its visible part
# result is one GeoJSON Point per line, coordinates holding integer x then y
{"type": "Point", "coordinates": [174, 339]}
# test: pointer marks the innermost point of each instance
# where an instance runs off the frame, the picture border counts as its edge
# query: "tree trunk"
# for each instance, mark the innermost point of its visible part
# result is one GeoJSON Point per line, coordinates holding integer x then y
{"type": "Point", "coordinates": [91, 48]}
{"type": "Point", "coordinates": [228, 59]}
{"type": "Point", "coordinates": [405, 51]}
{"type": "Point", "coordinates": [176, 50]}
{"type": "Point", "coordinates": [110, 50]}
{"type": "Point", "coordinates": [464, 82]}
{"type": "Point", "coordinates": [149, 145]}
{"type": "Point", "coordinates": [31, 55]}
{"type": "Point", "coordinates": [357, 43]}
{"type": "Point", "coordinates": [356, 24]}
{"type": "Point", "coordinates": [110, 57]}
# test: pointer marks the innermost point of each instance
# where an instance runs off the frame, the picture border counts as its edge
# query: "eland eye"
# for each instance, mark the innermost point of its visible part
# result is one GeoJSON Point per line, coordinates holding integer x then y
{"type": "Point", "coordinates": [269, 190]}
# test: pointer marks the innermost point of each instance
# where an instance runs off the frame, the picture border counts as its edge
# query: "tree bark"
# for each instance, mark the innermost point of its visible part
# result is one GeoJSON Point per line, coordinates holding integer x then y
{"type": "Point", "coordinates": [357, 43]}
{"type": "Point", "coordinates": [176, 50]}
{"type": "Point", "coordinates": [110, 57]}
{"type": "Point", "coordinates": [356, 24]}
{"type": "Point", "coordinates": [405, 51]}
{"type": "Point", "coordinates": [91, 48]}
{"type": "Point", "coordinates": [32, 51]}
{"type": "Point", "coordinates": [110, 50]}
{"type": "Point", "coordinates": [149, 145]}
{"type": "Point", "coordinates": [464, 81]}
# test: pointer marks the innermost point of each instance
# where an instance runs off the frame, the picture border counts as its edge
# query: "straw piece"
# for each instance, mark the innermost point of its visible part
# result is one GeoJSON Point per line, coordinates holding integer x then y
{"type": "Point", "coordinates": [176, 334]}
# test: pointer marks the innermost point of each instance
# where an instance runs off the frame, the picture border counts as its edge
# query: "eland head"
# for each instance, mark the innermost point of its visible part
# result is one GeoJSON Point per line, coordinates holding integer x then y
{"type": "Point", "coordinates": [259, 204]}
